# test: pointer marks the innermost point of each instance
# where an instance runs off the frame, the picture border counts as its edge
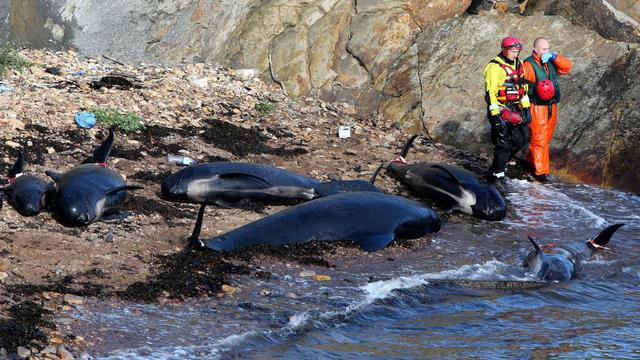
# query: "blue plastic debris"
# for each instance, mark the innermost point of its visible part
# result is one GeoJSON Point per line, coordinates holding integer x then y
{"type": "Point", "coordinates": [5, 89]}
{"type": "Point", "coordinates": [86, 119]}
{"type": "Point", "coordinates": [79, 73]}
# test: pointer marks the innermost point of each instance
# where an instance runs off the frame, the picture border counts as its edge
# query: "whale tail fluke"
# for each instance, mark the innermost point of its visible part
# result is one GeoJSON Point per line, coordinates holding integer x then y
{"type": "Point", "coordinates": [605, 235]}
{"type": "Point", "coordinates": [101, 153]}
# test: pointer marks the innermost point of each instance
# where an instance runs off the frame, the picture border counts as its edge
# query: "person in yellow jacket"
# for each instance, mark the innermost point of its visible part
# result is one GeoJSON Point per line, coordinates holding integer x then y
{"type": "Point", "coordinates": [542, 70]}
{"type": "Point", "coordinates": [507, 105]}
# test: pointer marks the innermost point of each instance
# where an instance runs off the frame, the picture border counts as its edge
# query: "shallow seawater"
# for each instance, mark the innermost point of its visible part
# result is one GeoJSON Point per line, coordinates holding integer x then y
{"type": "Point", "coordinates": [402, 312]}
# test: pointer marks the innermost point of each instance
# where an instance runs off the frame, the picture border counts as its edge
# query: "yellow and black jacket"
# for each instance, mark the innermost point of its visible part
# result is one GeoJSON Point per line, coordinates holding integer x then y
{"type": "Point", "coordinates": [505, 85]}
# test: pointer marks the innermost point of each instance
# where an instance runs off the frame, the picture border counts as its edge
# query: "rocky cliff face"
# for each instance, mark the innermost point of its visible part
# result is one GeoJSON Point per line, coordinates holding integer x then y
{"type": "Point", "coordinates": [417, 62]}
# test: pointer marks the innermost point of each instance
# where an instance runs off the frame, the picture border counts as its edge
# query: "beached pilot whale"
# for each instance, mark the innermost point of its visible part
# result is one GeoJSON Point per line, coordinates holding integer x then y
{"type": "Point", "coordinates": [562, 262]}
{"type": "Point", "coordinates": [371, 219]}
{"type": "Point", "coordinates": [27, 194]}
{"type": "Point", "coordinates": [448, 186]}
{"type": "Point", "coordinates": [225, 184]}
{"type": "Point", "coordinates": [90, 191]}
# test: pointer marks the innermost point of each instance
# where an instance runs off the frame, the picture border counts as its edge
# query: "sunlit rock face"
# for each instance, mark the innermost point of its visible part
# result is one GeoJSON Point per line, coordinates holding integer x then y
{"type": "Point", "coordinates": [415, 62]}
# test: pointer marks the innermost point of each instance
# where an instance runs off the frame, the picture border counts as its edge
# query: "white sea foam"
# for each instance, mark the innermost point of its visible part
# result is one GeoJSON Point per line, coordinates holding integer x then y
{"type": "Point", "coordinates": [631, 270]}
{"type": "Point", "coordinates": [538, 205]}
{"type": "Point", "coordinates": [211, 351]}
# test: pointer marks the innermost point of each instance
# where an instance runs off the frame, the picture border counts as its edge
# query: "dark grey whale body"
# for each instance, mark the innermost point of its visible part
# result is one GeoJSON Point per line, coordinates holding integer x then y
{"type": "Point", "coordinates": [448, 186]}
{"type": "Point", "coordinates": [27, 194]}
{"type": "Point", "coordinates": [370, 219]}
{"type": "Point", "coordinates": [90, 191]}
{"type": "Point", "coordinates": [221, 183]}
{"type": "Point", "coordinates": [560, 263]}
{"type": "Point", "coordinates": [226, 183]}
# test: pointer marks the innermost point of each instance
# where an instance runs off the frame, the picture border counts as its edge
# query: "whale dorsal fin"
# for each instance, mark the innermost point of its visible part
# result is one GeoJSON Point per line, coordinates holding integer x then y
{"type": "Point", "coordinates": [101, 153]}
{"type": "Point", "coordinates": [123, 188]}
{"type": "Point", "coordinates": [605, 235]}
{"type": "Point", "coordinates": [536, 246]}
{"type": "Point", "coordinates": [457, 180]}
{"type": "Point", "coordinates": [407, 145]}
{"type": "Point", "coordinates": [375, 174]}
{"type": "Point", "coordinates": [54, 175]}
{"type": "Point", "coordinates": [18, 167]}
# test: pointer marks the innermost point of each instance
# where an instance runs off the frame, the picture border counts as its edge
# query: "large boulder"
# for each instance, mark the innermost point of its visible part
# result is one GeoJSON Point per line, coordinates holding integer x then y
{"type": "Point", "coordinates": [612, 19]}
{"type": "Point", "coordinates": [598, 123]}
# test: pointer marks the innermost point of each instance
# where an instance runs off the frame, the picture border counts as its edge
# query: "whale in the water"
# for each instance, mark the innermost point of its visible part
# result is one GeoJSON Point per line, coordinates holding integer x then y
{"type": "Point", "coordinates": [562, 262]}
{"type": "Point", "coordinates": [370, 219]}
{"type": "Point", "coordinates": [448, 186]}
{"type": "Point", "coordinates": [227, 183]}
{"type": "Point", "coordinates": [27, 194]}
{"type": "Point", "coordinates": [90, 191]}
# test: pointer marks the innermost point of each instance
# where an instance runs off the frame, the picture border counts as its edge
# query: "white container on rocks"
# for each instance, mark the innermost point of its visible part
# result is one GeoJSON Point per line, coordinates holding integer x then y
{"type": "Point", "coordinates": [344, 132]}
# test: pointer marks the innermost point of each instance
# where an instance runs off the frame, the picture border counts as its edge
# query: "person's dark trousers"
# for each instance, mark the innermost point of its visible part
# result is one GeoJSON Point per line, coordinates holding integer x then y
{"type": "Point", "coordinates": [508, 140]}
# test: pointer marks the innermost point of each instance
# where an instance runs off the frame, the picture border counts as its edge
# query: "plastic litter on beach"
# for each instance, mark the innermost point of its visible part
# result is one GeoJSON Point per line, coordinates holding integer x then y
{"type": "Point", "coordinates": [85, 119]}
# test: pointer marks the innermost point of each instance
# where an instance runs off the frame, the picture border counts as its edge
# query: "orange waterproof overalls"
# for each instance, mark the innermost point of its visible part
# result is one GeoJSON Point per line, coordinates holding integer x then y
{"type": "Point", "coordinates": [543, 115]}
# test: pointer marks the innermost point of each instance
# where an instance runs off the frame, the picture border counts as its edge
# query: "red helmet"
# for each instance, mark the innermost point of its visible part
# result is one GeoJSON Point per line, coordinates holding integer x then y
{"type": "Point", "coordinates": [510, 42]}
{"type": "Point", "coordinates": [545, 90]}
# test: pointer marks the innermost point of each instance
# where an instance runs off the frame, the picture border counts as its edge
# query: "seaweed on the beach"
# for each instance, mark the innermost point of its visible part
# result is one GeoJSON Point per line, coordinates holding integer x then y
{"type": "Point", "coordinates": [25, 326]}
{"type": "Point", "coordinates": [242, 142]}
{"type": "Point", "coordinates": [65, 285]}
{"type": "Point", "coordinates": [183, 275]}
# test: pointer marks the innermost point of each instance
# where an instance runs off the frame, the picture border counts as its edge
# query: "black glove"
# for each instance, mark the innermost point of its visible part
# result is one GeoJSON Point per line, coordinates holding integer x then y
{"type": "Point", "coordinates": [526, 116]}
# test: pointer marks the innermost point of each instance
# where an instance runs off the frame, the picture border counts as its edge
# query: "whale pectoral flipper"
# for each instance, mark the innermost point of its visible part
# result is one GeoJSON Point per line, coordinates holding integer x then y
{"type": "Point", "coordinates": [123, 188]}
{"type": "Point", "coordinates": [115, 217]}
{"type": "Point", "coordinates": [244, 177]}
{"type": "Point", "coordinates": [438, 166]}
{"type": "Point", "coordinates": [373, 242]}
{"type": "Point", "coordinates": [54, 175]}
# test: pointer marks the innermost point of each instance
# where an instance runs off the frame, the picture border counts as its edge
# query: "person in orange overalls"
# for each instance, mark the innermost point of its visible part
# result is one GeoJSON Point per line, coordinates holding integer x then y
{"type": "Point", "coordinates": [542, 70]}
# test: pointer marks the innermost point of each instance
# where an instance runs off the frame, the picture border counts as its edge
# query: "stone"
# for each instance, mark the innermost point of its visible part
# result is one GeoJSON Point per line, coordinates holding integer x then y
{"type": "Point", "coordinates": [321, 277]}
{"type": "Point", "coordinates": [64, 354]}
{"type": "Point", "coordinates": [202, 83]}
{"type": "Point", "coordinates": [72, 299]}
{"type": "Point", "coordinates": [306, 273]}
{"type": "Point", "coordinates": [228, 289]}
{"type": "Point", "coordinates": [13, 144]}
{"type": "Point", "coordinates": [22, 353]}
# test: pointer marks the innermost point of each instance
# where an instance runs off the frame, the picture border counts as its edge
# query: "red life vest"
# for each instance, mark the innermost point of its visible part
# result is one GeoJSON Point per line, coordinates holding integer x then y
{"type": "Point", "coordinates": [512, 91]}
